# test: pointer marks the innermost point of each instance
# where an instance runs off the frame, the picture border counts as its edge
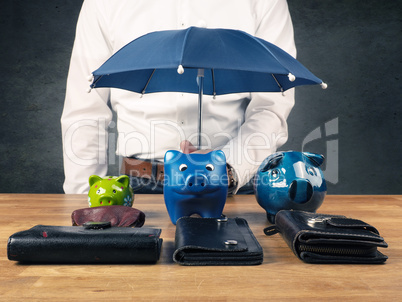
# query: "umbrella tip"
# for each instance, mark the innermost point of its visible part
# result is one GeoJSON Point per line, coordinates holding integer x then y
{"type": "Point", "coordinates": [180, 69]}
{"type": "Point", "coordinates": [89, 89]}
{"type": "Point", "coordinates": [291, 77]}
{"type": "Point", "coordinates": [90, 78]}
{"type": "Point", "coordinates": [324, 85]}
{"type": "Point", "coordinates": [202, 24]}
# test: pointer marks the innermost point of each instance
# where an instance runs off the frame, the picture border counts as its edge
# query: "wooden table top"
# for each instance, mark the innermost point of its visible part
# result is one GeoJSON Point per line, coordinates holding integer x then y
{"type": "Point", "coordinates": [282, 276]}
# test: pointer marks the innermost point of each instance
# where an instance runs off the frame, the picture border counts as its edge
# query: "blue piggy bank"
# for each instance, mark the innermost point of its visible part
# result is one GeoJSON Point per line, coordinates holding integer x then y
{"type": "Point", "coordinates": [290, 180]}
{"type": "Point", "coordinates": [195, 184]}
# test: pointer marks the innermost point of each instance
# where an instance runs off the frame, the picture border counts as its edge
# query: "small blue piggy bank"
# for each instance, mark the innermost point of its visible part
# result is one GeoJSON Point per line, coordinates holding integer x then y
{"type": "Point", "coordinates": [195, 184]}
{"type": "Point", "coordinates": [290, 180]}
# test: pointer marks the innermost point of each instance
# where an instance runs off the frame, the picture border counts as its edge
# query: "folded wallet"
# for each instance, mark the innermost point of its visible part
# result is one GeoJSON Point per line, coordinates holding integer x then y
{"type": "Point", "coordinates": [83, 245]}
{"type": "Point", "coordinates": [321, 238]}
{"type": "Point", "coordinates": [211, 241]}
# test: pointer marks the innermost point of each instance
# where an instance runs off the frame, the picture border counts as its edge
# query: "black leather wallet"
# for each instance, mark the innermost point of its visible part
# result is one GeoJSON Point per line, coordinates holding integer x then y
{"type": "Point", "coordinates": [321, 238]}
{"type": "Point", "coordinates": [93, 243]}
{"type": "Point", "coordinates": [211, 241]}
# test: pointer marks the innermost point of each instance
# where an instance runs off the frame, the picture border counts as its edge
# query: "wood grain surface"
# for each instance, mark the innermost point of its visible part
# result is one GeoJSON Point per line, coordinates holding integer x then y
{"type": "Point", "coordinates": [282, 276]}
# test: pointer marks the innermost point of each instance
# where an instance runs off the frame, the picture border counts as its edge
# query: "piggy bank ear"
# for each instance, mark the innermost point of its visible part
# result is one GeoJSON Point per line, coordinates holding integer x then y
{"type": "Point", "coordinates": [317, 159]}
{"type": "Point", "coordinates": [124, 179]}
{"type": "Point", "coordinates": [172, 155]}
{"type": "Point", "coordinates": [218, 157]}
{"type": "Point", "coordinates": [93, 179]}
{"type": "Point", "coordinates": [272, 162]}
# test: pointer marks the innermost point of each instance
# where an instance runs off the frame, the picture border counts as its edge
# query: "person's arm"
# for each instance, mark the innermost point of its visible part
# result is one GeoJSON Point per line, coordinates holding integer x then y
{"type": "Point", "coordinates": [265, 126]}
{"type": "Point", "coordinates": [86, 115]}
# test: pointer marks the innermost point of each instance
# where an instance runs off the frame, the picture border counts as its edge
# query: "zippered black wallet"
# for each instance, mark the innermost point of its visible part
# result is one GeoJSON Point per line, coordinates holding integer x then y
{"type": "Point", "coordinates": [93, 243]}
{"type": "Point", "coordinates": [322, 238]}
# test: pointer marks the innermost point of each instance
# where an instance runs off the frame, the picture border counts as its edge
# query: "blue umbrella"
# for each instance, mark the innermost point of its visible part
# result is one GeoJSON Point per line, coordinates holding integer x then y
{"type": "Point", "coordinates": [222, 60]}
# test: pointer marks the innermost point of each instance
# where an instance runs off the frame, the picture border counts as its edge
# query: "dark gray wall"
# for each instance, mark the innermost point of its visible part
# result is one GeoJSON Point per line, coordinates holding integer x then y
{"type": "Point", "coordinates": [354, 45]}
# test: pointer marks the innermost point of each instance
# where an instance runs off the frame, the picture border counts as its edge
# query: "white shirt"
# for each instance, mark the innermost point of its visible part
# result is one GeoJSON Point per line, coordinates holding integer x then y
{"type": "Point", "coordinates": [247, 127]}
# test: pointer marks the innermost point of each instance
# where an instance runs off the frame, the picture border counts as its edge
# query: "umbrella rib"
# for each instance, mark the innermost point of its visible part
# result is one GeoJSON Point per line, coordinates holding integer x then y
{"type": "Point", "coordinates": [146, 85]}
{"type": "Point", "coordinates": [279, 85]}
{"type": "Point", "coordinates": [93, 85]}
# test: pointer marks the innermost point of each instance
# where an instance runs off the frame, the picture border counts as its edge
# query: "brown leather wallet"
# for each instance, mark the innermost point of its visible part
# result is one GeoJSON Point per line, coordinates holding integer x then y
{"type": "Point", "coordinates": [119, 216]}
{"type": "Point", "coordinates": [144, 169]}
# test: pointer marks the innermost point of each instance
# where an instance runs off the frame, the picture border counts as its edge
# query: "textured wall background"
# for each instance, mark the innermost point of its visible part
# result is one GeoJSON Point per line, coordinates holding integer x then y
{"type": "Point", "coordinates": [355, 46]}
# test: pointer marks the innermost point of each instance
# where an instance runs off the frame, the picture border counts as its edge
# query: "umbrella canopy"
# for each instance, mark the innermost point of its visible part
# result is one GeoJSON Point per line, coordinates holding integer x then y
{"type": "Point", "coordinates": [233, 60]}
{"type": "Point", "coordinates": [224, 61]}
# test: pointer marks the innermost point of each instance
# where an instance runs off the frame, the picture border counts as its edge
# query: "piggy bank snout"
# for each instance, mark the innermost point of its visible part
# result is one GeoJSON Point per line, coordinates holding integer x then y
{"type": "Point", "coordinates": [107, 200]}
{"type": "Point", "coordinates": [196, 182]}
{"type": "Point", "coordinates": [300, 191]}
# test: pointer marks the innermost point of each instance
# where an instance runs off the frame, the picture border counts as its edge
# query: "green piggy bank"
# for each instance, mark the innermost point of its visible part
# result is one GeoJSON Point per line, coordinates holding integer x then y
{"type": "Point", "coordinates": [110, 190]}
